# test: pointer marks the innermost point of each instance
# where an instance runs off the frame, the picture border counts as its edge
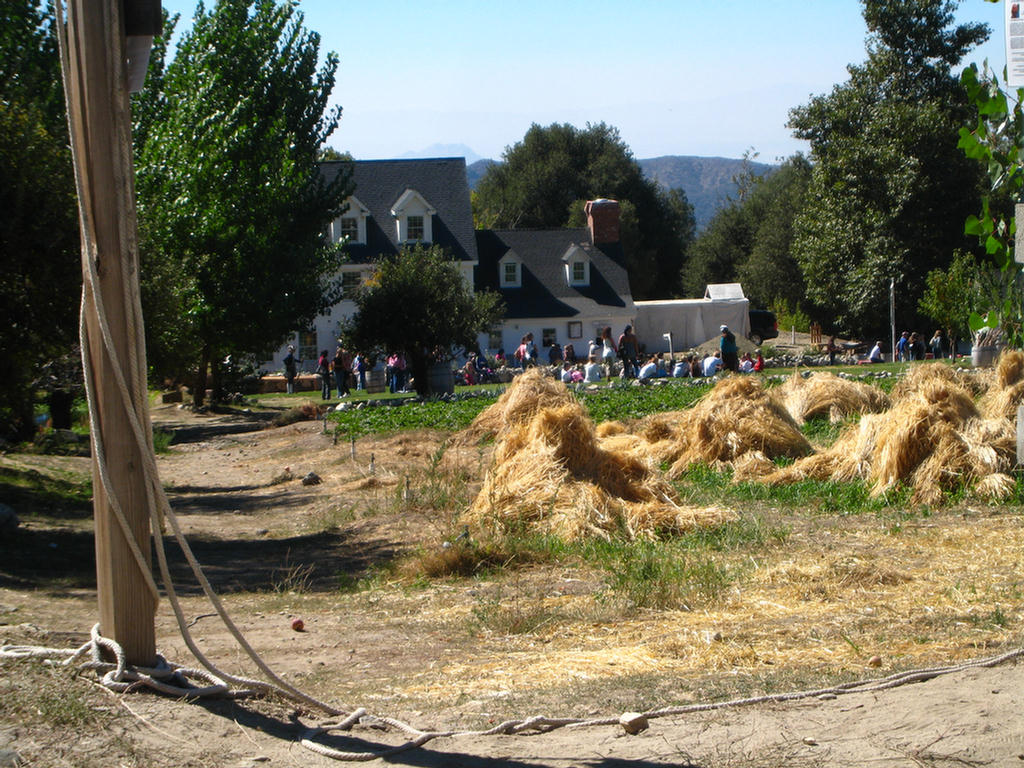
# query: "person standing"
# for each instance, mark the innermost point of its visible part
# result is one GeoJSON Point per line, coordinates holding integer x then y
{"type": "Point", "coordinates": [608, 350]}
{"type": "Point", "coordinates": [831, 348]}
{"type": "Point", "coordinates": [729, 350]}
{"type": "Point", "coordinates": [340, 366]}
{"type": "Point", "coordinates": [323, 371]}
{"type": "Point", "coordinates": [290, 370]}
{"type": "Point", "coordinates": [629, 351]}
{"type": "Point", "coordinates": [937, 345]}
{"type": "Point", "coordinates": [903, 347]}
{"type": "Point", "coordinates": [359, 369]}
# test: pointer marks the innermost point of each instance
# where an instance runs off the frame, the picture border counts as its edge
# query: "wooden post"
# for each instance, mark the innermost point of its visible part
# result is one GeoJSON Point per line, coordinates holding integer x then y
{"type": "Point", "coordinates": [100, 126]}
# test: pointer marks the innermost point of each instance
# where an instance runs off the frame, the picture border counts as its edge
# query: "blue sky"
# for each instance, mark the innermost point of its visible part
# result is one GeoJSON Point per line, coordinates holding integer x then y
{"type": "Point", "coordinates": [676, 77]}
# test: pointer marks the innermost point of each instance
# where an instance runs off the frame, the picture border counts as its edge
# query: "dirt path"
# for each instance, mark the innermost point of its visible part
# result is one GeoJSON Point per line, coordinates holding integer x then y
{"type": "Point", "coordinates": [278, 549]}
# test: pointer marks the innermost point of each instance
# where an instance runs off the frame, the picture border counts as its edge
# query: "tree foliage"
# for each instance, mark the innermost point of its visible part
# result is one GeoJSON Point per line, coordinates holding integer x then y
{"type": "Point", "coordinates": [749, 240]}
{"type": "Point", "coordinates": [40, 272]}
{"type": "Point", "coordinates": [996, 140]}
{"type": "Point", "coordinates": [232, 207]}
{"type": "Point", "coordinates": [543, 179]}
{"type": "Point", "coordinates": [889, 188]}
{"type": "Point", "coordinates": [419, 303]}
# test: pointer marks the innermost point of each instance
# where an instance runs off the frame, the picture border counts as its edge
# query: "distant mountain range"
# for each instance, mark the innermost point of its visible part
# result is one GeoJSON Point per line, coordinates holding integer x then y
{"type": "Point", "coordinates": [707, 181]}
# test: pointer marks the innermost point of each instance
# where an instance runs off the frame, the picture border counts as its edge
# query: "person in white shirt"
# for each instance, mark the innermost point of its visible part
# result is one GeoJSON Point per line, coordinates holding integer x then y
{"type": "Point", "coordinates": [592, 371]}
{"type": "Point", "coordinates": [681, 369]}
{"type": "Point", "coordinates": [875, 356]}
{"type": "Point", "coordinates": [648, 370]}
{"type": "Point", "coordinates": [712, 364]}
{"type": "Point", "coordinates": [746, 364]}
{"type": "Point", "coordinates": [567, 373]}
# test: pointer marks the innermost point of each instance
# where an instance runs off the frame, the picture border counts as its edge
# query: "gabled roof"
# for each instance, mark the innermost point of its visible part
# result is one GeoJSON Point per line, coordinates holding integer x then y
{"type": "Point", "coordinates": [544, 291]}
{"type": "Point", "coordinates": [380, 184]}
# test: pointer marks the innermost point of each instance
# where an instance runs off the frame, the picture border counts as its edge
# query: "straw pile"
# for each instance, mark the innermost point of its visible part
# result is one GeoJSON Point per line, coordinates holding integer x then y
{"type": "Point", "coordinates": [1006, 390]}
{"type": "Point", "coordinates": [934, 439]}
{"type": "Point", "coordinates": [551, 475]}
{"type": "Point", "coordinates": [526, 396]}
{"type": "Point", "coordinates": [825, 394]}
{"type": "Point", "coordinates": [736, 418]}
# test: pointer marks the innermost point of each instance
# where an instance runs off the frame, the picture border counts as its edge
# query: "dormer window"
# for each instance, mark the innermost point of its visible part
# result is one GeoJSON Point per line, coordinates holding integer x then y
{"type": "Point", "coordinates": [577, 267]}
{"type": "Point", "coordinates": [350, 227]}
{"type": "Point", "coordinates": [415, 232]}
{"type": "Point", "coordinates": [413, 218]}
{"type": "Point", "coordinates": [510, 271]}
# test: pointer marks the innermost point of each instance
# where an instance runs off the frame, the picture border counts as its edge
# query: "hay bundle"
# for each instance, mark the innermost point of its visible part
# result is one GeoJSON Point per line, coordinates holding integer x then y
{"type": "Point", "coordinates": [734, 418]}
{"type": "Point", "coordinates": [920, 375]}
{"type": "Point", "coordinates": [1006, 390]}
{"type": "Point", "coordinates": [825, 394]}
{"type": "Point", "coordinates": [528, 393]}
{"type": "Point", "coordinates": [552, 475]}
{"type": "Point", "coordinates": [933, 439]}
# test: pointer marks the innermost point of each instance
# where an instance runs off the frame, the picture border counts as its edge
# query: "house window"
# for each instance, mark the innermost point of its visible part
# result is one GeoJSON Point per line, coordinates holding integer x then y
{"type": "Point", "coordinates": [510, 273]}
{"type": "Point", "coordinates": [579, 272]}
{"type": "Point", "coordinates": [350, 229]}
{"type": "Point", "coordinates": [548, 337]}
{"type": "Point", "coordinates": [307, 345]}
{"type": "Point", "coordinates": [350, 282]}
{"type": "Point", "coordinates": [414, 229]}
{"type": "Point", "coordinates": [575, 329]}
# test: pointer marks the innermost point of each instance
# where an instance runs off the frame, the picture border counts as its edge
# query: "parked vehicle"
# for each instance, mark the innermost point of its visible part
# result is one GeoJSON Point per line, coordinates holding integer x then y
{"type": "Point", "coordinates": [763, 325]}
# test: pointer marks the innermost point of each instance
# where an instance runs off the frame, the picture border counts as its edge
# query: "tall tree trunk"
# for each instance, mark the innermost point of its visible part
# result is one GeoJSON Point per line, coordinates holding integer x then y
{"type": "Point", "coordinates": [216, 382]}
{"type": "Point", "coordinates": [199, 393]}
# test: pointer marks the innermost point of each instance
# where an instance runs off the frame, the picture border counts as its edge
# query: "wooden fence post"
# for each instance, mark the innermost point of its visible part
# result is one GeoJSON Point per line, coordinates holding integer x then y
{"type": "Point", "coordinates": [100, 126]}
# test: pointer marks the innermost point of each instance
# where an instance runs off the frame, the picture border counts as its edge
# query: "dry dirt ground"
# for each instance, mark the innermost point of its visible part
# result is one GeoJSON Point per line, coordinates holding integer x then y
{"type": "Point", "coordinates": [452, 654]}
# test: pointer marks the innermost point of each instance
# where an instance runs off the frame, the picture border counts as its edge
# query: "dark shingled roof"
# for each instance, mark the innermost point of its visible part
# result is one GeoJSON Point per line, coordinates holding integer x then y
{"type": "Point", "coordinates": [544, 291]}
{"type": "Point", "coordinates": [440, 181]}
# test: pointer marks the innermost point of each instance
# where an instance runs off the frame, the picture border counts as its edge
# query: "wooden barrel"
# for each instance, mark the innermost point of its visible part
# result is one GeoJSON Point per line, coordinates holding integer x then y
{"type": "Point", "coordinates": [984, 357]}
{"type": "Point", "coordinates": [440, 379]}
{"type": "Point", "coordinates": [375, 383]}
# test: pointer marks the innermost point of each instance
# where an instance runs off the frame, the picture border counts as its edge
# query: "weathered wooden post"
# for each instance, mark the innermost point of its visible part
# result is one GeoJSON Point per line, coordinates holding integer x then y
{"type": "Point", "coordinates": [96, 73]}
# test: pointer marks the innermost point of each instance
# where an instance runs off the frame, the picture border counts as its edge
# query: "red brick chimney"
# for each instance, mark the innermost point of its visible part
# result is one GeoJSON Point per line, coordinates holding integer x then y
{"type": "Point", "coordinates": [603, 220]}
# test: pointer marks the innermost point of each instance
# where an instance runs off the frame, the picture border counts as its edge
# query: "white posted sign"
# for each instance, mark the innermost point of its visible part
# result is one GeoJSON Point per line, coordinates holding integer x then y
{"type": "Point", "coordinates": [1014, 25]}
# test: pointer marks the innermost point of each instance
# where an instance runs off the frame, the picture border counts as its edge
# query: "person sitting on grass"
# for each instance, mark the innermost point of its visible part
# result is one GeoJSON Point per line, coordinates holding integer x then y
{"type": "Point", "coordinates": [712, 364]}
{"type": "Point", "coordinates": [592, 371]}
{"type": "Point", "coordinates": [875, 355]}
{"type": "Point", "coordinates": [648, 370]}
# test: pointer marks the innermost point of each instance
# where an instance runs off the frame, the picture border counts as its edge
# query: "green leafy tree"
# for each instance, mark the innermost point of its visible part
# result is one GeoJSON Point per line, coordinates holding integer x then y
{"type": "Point", "coordinates": [232, 207]}
{"type": "Point", "coordinates": [40, 271]}
{"type": "Point", "coordinates": [996, 140]}
{"type": "Point", "coordinates": [418, 303]}
{"type": "Point", "coordinates": [749, 240]}
{"type": "Point", "coordinates": [543, 178]}
{"type": "Point", "coordinates": [950, 294]}
{"type": "Point", "coordinates": [889, 188]}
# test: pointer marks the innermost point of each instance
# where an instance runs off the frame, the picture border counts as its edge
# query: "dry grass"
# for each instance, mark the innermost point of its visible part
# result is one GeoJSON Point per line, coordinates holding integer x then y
{"type": "Point", "coordinates": [735, 418]}
{"type": "Point", "coordinates": [551, 474]}
{"type": "Point", "coordinates": [825, 394]}
{"type": "Point", "coordinates": [1006, 390]}
{"type": "Point", "coordinates": [529, 393]}
{"type": "Point", "coordinates": [933, 438]}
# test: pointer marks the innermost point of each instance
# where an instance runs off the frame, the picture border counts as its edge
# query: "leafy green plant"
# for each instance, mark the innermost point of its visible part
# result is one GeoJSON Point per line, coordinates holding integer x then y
{"type": "Point", "coordinates": [996, 141]}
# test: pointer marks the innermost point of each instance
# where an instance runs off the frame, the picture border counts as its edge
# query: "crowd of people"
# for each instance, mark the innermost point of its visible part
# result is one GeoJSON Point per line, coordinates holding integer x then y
{"type": "Point", "coordinates": [606, 357]}
{"type": "Point", "coordinates": [346, 371]}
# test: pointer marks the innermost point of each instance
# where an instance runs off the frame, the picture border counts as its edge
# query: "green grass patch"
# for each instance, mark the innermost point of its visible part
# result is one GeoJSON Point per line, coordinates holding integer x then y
{"type": "Point", "coordinates": [701, 484]}
{"type": "Point", "coordinates": [431, 414]}
{"type": "Point", "coordinates": [621, 402]}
